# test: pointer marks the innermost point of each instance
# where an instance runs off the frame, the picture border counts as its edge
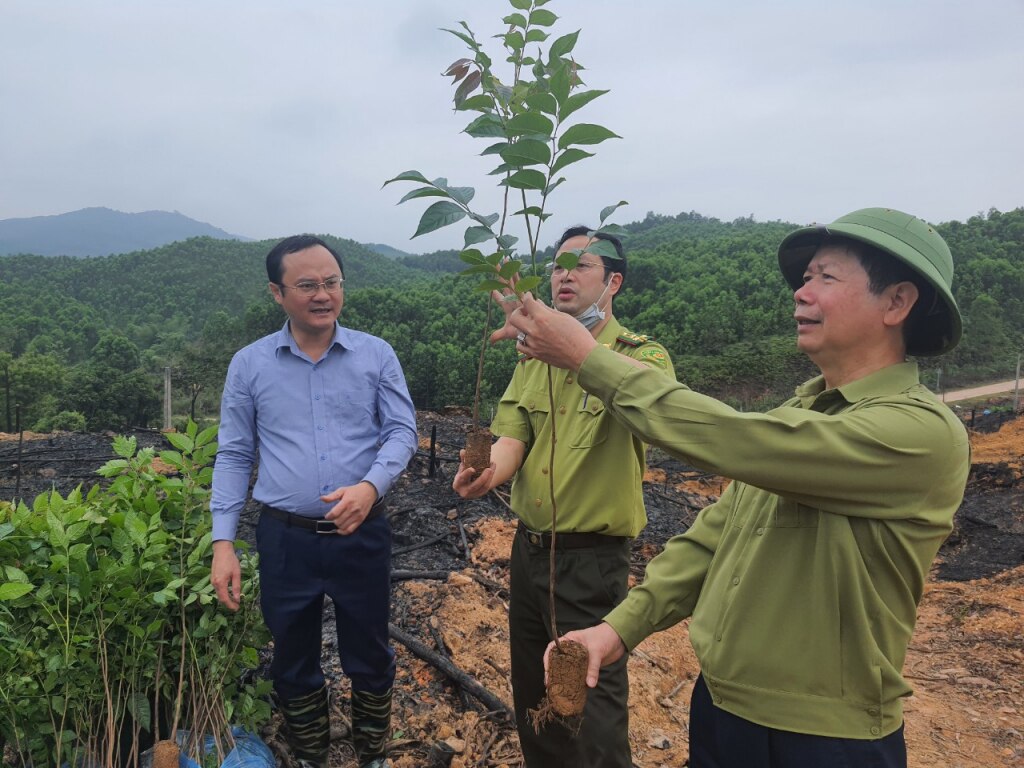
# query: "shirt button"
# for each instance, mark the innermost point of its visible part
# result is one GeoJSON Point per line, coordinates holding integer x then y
{"type": "Point", "coordinates": [759, 531]}
{"type": "Point", "coordinates": [873, 712]}
{"type": "Point", "coordinates": [561, 409]}
{"type": "Point", "coordinates": [568, 379]}
{"type": "Point", "coordinates": [736, 581]}
{"type": "Point", "coordinates": [537, 502]}
{"type": "Point", "coordinates": [532, 405]}
{"type": "Point", "coordinates": [326, 488]}
{"type": "Point", "coordinates": [544, 470]}
{"type": "Point", "coordinates": [323, 457]}
{"type": "Point", "coordinates": [718, 699]}
{"type": "Point", "coordinates": [593, 408]}
{"type": "Point", "coordinates": [875, 730]}
{"type": "Point", "coordinates": [321, 428]}
{"type": "Point", "coordinates": [316, 397]}
{"type": "Point", "coordinates": [718, 637]}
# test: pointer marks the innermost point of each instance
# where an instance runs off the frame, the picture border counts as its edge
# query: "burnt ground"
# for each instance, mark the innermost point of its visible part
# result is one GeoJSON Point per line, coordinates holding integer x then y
{"type": "Point", "coordinates": [450, 558]}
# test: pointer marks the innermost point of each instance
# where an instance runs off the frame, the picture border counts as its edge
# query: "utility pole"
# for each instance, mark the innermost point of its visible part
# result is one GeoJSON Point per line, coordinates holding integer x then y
{"type": "Point", "coordinates": [167, 398]}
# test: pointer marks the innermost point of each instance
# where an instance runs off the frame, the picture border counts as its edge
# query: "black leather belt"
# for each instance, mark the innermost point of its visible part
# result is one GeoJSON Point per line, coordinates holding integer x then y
{"type": "Point", "coordinates": [569, 540]}
{"type": "Point", "coordinates": [317, 525]}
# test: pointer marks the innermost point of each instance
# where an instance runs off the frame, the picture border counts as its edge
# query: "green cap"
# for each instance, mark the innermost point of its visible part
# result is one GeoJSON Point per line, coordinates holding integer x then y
{"type": "Point", "coordinates": [909, 239]}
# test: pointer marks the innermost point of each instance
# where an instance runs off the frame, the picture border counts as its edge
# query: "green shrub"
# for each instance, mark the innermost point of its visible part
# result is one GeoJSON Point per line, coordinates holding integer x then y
{"type": "Point", "coordinates": [109, 625]}
{"type": "Point", "coordinates": [67, 421]}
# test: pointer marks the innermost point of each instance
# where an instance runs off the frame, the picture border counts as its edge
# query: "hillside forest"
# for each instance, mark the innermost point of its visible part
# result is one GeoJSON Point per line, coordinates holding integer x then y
{"type": "Point", "coordinates": [85, 341]}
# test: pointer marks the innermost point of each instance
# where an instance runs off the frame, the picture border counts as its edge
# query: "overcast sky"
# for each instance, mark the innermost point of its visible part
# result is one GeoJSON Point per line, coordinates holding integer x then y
{"type": "Point", "coordinates": [271, 118]}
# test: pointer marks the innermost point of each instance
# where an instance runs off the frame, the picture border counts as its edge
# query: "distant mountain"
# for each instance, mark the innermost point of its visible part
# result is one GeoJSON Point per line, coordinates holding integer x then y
{"type": "Point", "coordinates": [386, 250]}
{"type": "Point", "coordinates": [101, 232]}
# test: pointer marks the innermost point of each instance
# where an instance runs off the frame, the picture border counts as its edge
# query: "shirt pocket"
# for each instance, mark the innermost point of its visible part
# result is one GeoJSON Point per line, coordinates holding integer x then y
{"type": "Point", "coordinates": [791, 514]}
{"type": "Point", "coordinates": [590, 424]}
{"type": "Point", "coordinates": [355, 414]}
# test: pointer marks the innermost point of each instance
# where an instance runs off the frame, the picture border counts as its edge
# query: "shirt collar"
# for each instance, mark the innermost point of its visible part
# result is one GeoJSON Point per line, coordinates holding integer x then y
{"type": "Point", "coordinates": [285, 340]}
{"type": "Point", "coordinates": [610, 332]}
{"type": "Point", "coordinates": [892, 378]}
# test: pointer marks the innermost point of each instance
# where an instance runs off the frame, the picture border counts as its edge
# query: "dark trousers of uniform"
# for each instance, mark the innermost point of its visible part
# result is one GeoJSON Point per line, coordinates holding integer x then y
{"type": "Point", "coordinates": [720, 739]}
{"type": "Point", "coordinates": [297, 568]}
{"type": "Point", "coordinates": [591, 580]}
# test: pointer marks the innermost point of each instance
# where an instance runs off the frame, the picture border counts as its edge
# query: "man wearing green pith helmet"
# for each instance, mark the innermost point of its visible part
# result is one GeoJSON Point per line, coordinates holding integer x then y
{"type": "Point", "coordinates": [803, 580]}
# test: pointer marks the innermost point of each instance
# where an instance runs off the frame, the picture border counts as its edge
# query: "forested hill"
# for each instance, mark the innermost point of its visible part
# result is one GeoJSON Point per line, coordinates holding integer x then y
{"type": "Point", "coordinates": [100, 232]}
{"type": "Point", "coordinates": [89, 338]}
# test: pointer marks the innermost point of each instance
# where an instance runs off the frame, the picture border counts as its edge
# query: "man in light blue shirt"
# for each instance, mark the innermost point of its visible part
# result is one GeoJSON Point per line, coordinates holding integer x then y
{"type": "Point", "coordinates": [325, 413]}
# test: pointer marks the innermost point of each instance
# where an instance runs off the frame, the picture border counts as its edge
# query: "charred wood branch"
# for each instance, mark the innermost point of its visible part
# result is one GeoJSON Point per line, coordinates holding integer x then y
{"type": "Point", "coordinates": [471, 686]}
{"type": "Point", "coordinates": [420, 544]}
{"type": "Point", "coordinates": [404, 575]}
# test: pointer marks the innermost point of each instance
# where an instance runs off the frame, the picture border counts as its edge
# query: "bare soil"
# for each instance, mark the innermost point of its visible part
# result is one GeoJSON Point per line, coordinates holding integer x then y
{"type": "Point", "coordinates": [451, 593]}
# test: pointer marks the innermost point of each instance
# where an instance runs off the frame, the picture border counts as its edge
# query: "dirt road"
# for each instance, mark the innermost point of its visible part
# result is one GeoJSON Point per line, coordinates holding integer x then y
{"type": "Point", "coordinates": [1001, 388]}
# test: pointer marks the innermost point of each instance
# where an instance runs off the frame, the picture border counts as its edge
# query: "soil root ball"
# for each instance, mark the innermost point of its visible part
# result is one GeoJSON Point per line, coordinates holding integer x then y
{"type": "Point", "coordinates": [567, 687]}
{"type": "Point", "coordinates": [478, 448]}
{"type": "Point", "coordinates": [165, 754]}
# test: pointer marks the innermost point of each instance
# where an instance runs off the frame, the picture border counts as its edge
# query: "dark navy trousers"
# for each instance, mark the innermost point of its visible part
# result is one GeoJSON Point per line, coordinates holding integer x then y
{"type": "Point", "coordinates": [298, 567]}
{"type": "Point", "coordinates": [720, 739]}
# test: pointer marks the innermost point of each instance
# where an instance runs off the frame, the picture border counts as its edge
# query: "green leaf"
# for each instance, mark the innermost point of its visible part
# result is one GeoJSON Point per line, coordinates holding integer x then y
{"type": "Point", "coordinates": [528, 283]}
{"type": "Point", "coordinates": [13, 590]}
{"type": "Point", "coordinates": [138, 705]}
{"type": "Point", "coordinates": [472, 256]}
{"type": "Point", "coordinates": [509, 268]}
{"type": "Point", "coordinates": [606, 212]}
{"type": "Point", "coordinates": [515, 20]}
{"type": "Point", "coordinates": [505, 242]}
{"type": "Point", "coordinates": [530, 123]}
{"type": "Point", "coordinates": [526, 179]}
{"type": "Point", "coordinates": [486, 126]}
{"type": "Point", "coordinates": [182, 442]}
{"type": "Point", "coordinates": [408, 176]}
{"type": "Point", "coordinates": [585, 133]}
{"type": "Point", "coordinates": [422, 192]}
{"type": "Point", "coordinates": [464, 38]}
{"type": "Point", "coordinates": [562, 46]}
{"type": "Point", "coordinates": [475, 235]}
{"type": "Point", "coordinates": [559, 81]}
{"type": "Point", "coordinates": [514, 41]}
{"type": "Point", "coordinates": [603, 248]}
{"type": "Point", "coordinates": [543, 102]}
{"type": "Point", "coordinates": [554, 185]}
{"type": "Point", "coordinates": [569, 156]}
{"type": "Point", "coordinates": [495, 149]}
{"type": "Point", "coordinates": [542, 18]}
{"type": "Point", "coordinates": [527, 152]}
{"type": "Point", "coordinates": [491, 285]}
{"type": "Point", "coordinates": [440, 214]}
{"type": "Point", "coordinates": [479, 269]}
{"type": "Point", "coordinates": [481, 102]}
{"type": "Point", "coordinates": [535, 36]}
{"type": "Point", "coordinates": [488, 220]}
{"type": "Point", "coordinates": [576, 101]}
{"type": "Point", "coordinates": [522, 5]}
{"type": "Point", "coordinates": [615, 230]}
{"type": "Point", "coordinates": [533, 210]}
{"type": "Point", "coordinates": [124, 446]}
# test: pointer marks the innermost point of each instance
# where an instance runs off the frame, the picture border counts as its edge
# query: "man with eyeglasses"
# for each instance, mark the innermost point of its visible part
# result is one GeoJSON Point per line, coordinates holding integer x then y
{"type": "Point", "coordinates": [326, 414]}
{"type": "Point", "coordinates": [802, 582]}
{"type": "Point", "coordinates": [598, 473]}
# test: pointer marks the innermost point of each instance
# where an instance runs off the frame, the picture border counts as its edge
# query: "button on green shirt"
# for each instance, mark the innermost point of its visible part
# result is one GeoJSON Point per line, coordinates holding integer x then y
{"type": "Point", "coordinates": [803, 580]}
{"type": "Point", "coordinates": [599, 464]}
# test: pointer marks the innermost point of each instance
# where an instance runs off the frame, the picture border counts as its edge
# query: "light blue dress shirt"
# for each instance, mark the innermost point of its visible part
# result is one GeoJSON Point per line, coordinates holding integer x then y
{"type": "Point", "coordinates": [313, 426]}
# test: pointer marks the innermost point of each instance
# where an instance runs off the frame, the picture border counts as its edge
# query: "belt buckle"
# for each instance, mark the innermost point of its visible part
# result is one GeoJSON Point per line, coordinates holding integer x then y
{"type": "Point", "coordinates": [326, 526]}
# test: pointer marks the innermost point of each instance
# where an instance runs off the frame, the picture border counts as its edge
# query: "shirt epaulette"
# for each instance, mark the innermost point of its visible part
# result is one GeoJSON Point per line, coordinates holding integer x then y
{"type": "Point", "coordinates": [633, 339]}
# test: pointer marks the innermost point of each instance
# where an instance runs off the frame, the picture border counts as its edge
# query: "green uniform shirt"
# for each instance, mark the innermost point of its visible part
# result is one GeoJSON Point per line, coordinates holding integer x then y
{"type": "Point", "coordinates": [803, 580]}
{"type": "Point", "coordinates": [599, 465]}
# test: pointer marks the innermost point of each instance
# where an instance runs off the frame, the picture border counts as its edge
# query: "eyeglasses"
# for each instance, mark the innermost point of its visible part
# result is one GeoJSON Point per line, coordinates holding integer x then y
{"type": "Point", "coordinates": [581, 268]}
{"type": "Point", "coordinates": [311, 288]}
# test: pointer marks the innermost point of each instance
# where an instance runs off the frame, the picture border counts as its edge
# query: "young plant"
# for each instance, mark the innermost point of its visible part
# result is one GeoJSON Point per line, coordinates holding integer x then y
{"type": "Point", "coordinates": [525, 115]}
{"type": "Point", "coordinates": [110, 625]}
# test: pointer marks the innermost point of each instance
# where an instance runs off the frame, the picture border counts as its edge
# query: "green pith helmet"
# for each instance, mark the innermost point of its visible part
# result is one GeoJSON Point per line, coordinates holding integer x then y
{"type": "Point", "coordinates": [909, 239]}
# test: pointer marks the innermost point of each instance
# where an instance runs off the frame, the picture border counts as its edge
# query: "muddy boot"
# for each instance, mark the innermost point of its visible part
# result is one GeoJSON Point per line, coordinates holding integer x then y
{"type": "Point", "coordinates": [308, 728]}
{"type": "Point", "coordinates": [371, 727]}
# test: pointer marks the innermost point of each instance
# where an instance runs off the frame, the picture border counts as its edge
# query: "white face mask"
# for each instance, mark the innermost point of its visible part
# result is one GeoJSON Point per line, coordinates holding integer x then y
{"type": "Point", "coordinates": [593, 314]}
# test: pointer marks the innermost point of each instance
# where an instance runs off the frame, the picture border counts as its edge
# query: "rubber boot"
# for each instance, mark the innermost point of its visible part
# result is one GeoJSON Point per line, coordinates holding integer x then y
{"type": "Point", "coordinates": [371, 727]}
{"type": "Point", "coordinates": [308, 729]}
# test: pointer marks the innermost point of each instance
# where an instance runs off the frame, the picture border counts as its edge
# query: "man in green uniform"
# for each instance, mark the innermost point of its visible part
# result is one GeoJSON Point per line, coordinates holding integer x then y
{"type": "Point", "coordinates": [803, 580]}
{"type": "Point", "coordinates": [598, 473]}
